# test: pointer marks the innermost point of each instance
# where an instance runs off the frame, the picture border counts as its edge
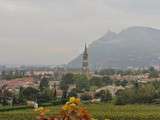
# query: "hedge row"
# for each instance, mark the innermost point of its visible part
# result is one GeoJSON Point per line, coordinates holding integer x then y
{"type": "Point", "coordinates": [5, 109]}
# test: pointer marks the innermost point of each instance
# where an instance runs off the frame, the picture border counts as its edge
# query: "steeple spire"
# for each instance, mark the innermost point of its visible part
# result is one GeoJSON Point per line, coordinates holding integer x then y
{"type": "Point", "coordinates": [85, 50]}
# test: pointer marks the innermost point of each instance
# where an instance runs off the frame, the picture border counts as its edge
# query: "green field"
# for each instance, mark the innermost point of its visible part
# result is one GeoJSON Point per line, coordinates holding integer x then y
{"type": "Point", "coordinates": [100, 111]}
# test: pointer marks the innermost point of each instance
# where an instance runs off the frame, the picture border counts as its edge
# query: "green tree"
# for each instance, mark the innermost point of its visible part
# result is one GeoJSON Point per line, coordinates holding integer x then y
{"type": "Point", "coordinates": [21, 97]}
{"type": "Point", "coordinates": [65, 91]}
{"type": "Point", "coordinates": [142, 94]}
{"type": "Point", "coordinates": [44, 84]}
{"type": "Point", "coordinates": [67, 80]}
{"type": "Point", "coordinates": [96, 81]}
{"type": "Point", "coordinates": [117, 82]}
{"type": "Point", "coordinates": [153, 73]}
{"type": "Point", "coordinates": [82, 82]}
{"type": "Point", "coordinates": [30, 93]}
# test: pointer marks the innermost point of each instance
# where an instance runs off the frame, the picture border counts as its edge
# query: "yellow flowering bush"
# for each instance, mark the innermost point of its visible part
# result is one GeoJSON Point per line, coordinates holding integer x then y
{"type": "Point", "coordinates": [70, 111]}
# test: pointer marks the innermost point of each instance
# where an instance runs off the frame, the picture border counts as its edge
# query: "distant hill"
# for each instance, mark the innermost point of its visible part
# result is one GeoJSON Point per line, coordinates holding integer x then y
{"type": "Point", "coordinates": [132, 47]}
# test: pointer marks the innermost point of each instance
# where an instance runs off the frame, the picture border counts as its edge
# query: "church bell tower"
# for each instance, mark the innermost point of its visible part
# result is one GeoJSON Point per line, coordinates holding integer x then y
{"type": "Point", "coordinates": [85, 68]}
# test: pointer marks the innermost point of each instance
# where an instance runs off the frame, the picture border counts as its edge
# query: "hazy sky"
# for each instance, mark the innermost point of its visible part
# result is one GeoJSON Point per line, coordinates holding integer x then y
{"type": "Point", "coordinates": [55, 31]}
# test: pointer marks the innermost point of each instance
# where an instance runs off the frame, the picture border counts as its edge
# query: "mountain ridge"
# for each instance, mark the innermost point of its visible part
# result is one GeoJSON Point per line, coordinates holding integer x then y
{"type": "Point", "coordinates": [132, 47]}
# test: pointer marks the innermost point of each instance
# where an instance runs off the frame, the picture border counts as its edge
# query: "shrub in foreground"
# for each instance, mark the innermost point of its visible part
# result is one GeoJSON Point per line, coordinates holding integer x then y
{"type": "Point", "coordinates": [70, 111]}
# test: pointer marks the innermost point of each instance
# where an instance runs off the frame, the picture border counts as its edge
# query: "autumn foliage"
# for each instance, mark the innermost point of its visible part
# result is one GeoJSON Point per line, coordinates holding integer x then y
{"type": "Point", "coordinates": [72, 110]}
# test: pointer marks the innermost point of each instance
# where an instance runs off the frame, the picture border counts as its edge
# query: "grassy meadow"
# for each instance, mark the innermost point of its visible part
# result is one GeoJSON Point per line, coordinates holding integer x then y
{"type": "Point", "coordinates": [99, 111]}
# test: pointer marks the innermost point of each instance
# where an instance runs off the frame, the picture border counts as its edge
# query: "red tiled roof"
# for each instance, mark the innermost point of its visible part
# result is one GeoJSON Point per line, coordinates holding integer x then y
{"type": "Point", "coordinates": [15, 83]}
